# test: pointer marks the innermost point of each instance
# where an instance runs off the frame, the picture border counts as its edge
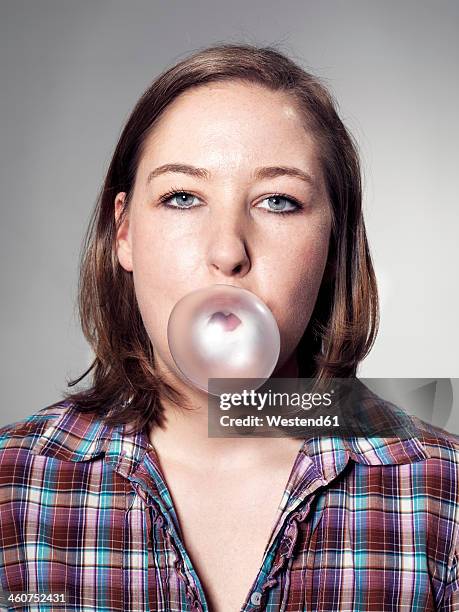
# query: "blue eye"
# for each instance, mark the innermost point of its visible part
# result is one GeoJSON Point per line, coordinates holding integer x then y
{"type": "Point", "coordinates": [183, 203]}
{"type": "Point", "coordinates": [277, 203]}
{"type": "Point", "coordinates": [277, 206]}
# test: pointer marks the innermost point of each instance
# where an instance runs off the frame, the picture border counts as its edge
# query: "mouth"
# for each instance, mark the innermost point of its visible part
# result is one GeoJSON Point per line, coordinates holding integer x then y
{"type": "Point", "coordinates": [227, 320]}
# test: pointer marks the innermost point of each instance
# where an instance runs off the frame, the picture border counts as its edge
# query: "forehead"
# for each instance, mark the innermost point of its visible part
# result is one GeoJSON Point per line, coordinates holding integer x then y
{"type": "Point", "coordinates": [231, 125]}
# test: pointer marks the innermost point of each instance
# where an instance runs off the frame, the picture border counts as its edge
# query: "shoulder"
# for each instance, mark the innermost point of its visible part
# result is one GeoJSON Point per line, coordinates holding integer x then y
{"type": "Point", "coordinates": [50, 448]}
{"type": "Point", "coordinates": [19, 467]}
{"type": "Point", "coordinates": [20, 436]}
{"type": "Point", "coordinates": [437, 482]}
{"type": "Point", "coordinates": [437, 476]}
{"type": "Point", "coordinates": [54, 454]}
{"type": "Point", "coordinates": [441, 445]}
{"type": "Point", "coordinates": [21, 473]}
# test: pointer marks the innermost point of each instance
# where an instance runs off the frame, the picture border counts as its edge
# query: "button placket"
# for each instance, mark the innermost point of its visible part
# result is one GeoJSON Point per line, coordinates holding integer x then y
{"type": "Point", "coordinates": [159, 521]}
{"type": "Point", "coordinates": [191, 594]}
{"type": "Point", "coordinates": [170, 529]}
{"type": "Point", "coordinates": [287, 545]}
{"type": "Point", "coordinates": [193, 599]}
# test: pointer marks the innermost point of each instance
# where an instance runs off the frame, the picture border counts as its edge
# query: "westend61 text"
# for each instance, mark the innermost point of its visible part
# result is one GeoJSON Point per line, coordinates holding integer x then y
{"type": "Point", "coordinates": [278, 421]}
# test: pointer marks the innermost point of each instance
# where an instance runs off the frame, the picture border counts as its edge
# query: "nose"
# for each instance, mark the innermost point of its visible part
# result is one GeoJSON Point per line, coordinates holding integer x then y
{"type": "Point", "coordinates": [228, 252]}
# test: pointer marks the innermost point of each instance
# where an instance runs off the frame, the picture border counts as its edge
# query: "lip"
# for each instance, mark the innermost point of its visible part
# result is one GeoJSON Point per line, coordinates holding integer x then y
{"type": "Point", "coordinates": [224, 303]}
{"type": "Point", "coordinates": [228, 322]}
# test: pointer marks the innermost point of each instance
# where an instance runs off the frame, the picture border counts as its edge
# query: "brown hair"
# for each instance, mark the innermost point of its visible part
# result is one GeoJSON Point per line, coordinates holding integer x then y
{"type": "Point", "coordinates": [126, 386]}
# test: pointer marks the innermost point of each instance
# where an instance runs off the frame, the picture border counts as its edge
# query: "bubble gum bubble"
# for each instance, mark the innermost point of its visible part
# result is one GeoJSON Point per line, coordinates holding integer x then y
{"type": "Point", "coordinates": [223, 331]}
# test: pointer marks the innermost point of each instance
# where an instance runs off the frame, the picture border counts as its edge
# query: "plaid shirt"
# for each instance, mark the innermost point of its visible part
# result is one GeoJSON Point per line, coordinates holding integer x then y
{"type": "Point", "coordinates": [367, 524]}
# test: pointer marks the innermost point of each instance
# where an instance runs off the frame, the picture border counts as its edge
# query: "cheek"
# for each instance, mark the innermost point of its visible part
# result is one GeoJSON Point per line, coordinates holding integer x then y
{"type": "Point", "coordinates": [295, 283]}
{"type": "Point", "coordinates": [164, 263]}
{"type": "Point", "coordinates": [164, 255]}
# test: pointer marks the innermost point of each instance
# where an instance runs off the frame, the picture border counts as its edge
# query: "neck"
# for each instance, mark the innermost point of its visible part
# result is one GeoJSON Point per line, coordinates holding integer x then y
{"type": "Point", "coordinates": [184, 436]}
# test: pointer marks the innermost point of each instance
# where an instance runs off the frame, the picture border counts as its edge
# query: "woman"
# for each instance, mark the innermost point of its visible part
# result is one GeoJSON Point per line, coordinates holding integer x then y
{"type": "Point", "coordinates": [233, 168]}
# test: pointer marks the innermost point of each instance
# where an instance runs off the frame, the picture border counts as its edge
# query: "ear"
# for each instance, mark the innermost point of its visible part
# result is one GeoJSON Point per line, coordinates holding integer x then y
{"type": "Point", "coordinates": [123, 235]}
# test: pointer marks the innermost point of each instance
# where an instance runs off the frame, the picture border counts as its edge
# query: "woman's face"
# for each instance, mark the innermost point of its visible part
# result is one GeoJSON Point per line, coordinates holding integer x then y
{"type": "Point", "coordinates": [224, 226]}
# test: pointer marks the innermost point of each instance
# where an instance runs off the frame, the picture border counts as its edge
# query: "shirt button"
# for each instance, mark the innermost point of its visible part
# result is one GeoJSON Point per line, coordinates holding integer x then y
{"type": "Point", "coordinates": [255, 598]}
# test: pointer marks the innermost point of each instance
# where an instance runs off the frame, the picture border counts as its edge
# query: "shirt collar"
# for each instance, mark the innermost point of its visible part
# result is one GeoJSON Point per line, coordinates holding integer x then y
{"type": "Point", "coordinates": [78, 436]}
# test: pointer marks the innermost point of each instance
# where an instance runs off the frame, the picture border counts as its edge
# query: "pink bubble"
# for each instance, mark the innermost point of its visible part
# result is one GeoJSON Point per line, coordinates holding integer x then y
{"type": "Point", "coordinates": [223, 331]}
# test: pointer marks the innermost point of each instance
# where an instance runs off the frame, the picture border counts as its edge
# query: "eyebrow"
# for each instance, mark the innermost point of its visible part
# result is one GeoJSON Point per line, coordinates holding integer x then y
{"type": "Point", "coordinates": [264, 172]}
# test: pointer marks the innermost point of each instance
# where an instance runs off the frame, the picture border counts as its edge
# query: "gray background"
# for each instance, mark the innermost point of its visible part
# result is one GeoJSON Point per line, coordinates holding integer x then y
{"type": "Point", "coordinates": [72, 71]}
